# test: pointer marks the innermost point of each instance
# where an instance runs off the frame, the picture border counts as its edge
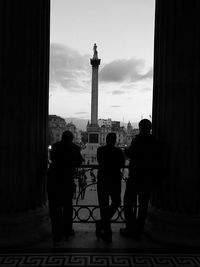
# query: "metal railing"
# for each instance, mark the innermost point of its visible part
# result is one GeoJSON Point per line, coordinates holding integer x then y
{"type": "Point", "coordinates": [87, 211]}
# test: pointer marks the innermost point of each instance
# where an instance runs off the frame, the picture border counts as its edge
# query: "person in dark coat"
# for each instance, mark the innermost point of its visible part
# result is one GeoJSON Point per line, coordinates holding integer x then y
{"type": "Point", "coordinates": [143, 176]}
{"type": "Point", "coordinates": [65, 156]}
{"type": "Point", "coordinates": [111, 160]}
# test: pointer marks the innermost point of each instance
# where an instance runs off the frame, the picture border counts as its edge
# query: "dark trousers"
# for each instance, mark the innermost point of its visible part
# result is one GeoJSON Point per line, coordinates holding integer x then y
{"type": "Point", "coordinates": [61, 213]}
{"type": "Point", "coordinates": [61, 218]}
{"type": "Point", "coordinates": [136, 202]}
{"type": "Point", "coordinates": [107, 191]}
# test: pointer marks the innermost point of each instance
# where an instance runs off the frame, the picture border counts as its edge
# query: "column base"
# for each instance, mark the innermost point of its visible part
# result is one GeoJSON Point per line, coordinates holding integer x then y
{"type": "Point", "coordinates": [173, 230]}
{"type": "Point", "coordinates": [25, 228]}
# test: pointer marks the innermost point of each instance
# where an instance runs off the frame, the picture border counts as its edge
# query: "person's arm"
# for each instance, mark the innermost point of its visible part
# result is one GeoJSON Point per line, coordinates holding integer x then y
{"type": "Point", "coordinates": [129, 150]}
{"type": "Point", "coordinates": [52, 153]}
{"type": "Point", "coordinates": [99, 158]}
{"type": "Point", "coordinates": [122, 159]}
{"type": "Point", "coordinates": [80, 159]}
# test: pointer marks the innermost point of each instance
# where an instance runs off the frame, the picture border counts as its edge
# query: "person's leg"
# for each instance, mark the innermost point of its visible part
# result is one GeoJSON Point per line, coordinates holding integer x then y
{"type": "Point", "coordinates": [55, 212]}
{"type": "Point", "coordinates": [103, 199]}
{"type": "Point", "coordinates": [109, 211]}
{"type": "Point", "coordinates": [67, 214]}
{"type": "Point", "coordinates": [130, 206]}
{"type": "Point", "coordinates": [143, 199]}
{"type": "Point", "coordinates": [115, 194]}
{"type": "Point", "coordinates": [55, 209]}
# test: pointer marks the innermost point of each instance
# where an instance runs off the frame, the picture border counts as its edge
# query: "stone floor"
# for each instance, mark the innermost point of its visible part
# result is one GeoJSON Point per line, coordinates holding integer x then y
{"type": "Point", "coordinates": [85, 238]}
{"type": "Point", "coordinates": [83, 249]}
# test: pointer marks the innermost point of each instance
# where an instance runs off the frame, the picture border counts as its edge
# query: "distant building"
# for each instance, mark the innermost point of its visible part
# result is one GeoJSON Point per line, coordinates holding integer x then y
{"type": "Point", "coordinates": [112, 126]}
{"type": "Point", "coordinates": [77, 134]}
{"type": "Point", "coordinates": [57, 126]}
{"type": "Point", "coordinates": [71, 127]}
{"type": "Point", "coordinates": [120, 133]}
{"type": "Point", "coordinates": [115, 126]}
{"type": "Point", "coordinates": [131, 133]}
{"type": "Point", "coordinates": [105, 122]}
{"type": "Point", "coordinates": [104, 130]}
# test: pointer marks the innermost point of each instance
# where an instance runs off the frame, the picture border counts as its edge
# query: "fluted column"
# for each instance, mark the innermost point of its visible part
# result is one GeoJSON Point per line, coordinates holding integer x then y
{"type": "Point", "coordinates": [24, 78]}
{"type": "Point", "coordinates": [176, 205]}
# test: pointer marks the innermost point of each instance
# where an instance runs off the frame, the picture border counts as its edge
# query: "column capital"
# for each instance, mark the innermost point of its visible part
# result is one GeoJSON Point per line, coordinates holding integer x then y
{"type": "Point", "coordinates": [95, 62]}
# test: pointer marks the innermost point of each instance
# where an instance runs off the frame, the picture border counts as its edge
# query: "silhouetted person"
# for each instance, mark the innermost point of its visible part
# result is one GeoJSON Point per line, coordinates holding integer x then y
{"type": "Point", "coordinates": [143, 176]}
{"type": "Point", "coordinates": [65, 156]}
{"type": "Point", "coordinates": [111, 160]}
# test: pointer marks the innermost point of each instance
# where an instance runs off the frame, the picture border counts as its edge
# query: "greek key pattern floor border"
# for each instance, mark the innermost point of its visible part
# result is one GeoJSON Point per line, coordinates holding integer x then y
{"type": "Point", "coordinates": [98, 259]}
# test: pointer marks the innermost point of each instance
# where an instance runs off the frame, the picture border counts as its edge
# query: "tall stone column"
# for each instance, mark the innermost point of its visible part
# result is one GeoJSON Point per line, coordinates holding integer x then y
{"type": "Point", "coordinates": [24, 80]}
{"type": "Point", "coordinates": [94, 99]}
{"type": "Point", "coordinates": [174, 217]}
{"type": "Point", "coordinates": [95, 62]}
{"type": "Point", "coordinates": [93, 129]}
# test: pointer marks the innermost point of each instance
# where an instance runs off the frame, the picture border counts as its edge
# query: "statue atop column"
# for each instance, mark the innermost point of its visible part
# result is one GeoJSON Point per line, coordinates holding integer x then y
{"type": "Point", "coordinates": [95, 56]}
{"type": "Point", "coordinates": [95, 62]}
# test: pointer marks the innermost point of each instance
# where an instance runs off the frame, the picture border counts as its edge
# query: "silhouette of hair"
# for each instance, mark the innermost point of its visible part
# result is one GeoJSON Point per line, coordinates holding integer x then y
{"type": "Point", "coordinates": [67, 136]}
{"type": "Point", "coordinates": [145, 125]}
{"type": "Point", "coordinates": [111, 138]}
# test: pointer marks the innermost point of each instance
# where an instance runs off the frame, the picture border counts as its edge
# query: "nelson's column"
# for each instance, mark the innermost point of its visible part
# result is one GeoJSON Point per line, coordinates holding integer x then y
{"type": "Point", "coordinates": [93, 128]}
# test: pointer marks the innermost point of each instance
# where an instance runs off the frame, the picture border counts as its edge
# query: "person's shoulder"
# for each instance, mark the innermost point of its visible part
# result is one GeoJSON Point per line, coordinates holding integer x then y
{"type": "Point", "coordinates": [118, 149]}
{"type": "Point", "coordinates": [135, 139]}
{"type": "Point", "coordinates": [57, 144]}
{"type": "Point", "coordinates": [101, 148]}
{"type": "Point", "coordinates": [75, 146]}
{"type": "Point", "coordinates": [153, 138]}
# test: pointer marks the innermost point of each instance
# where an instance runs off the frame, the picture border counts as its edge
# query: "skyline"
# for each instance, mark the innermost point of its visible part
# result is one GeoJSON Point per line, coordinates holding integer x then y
{"type": "Point", "coordinates": [124, 38]}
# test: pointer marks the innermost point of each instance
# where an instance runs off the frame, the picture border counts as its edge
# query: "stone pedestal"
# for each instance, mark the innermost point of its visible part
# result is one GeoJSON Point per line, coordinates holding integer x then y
{"type": "Point", "coordinates": [175, 216]}
{"type": "Point", "coordinates": [24, 83]}
{"type": "Point", "coordinates": [90, 152]}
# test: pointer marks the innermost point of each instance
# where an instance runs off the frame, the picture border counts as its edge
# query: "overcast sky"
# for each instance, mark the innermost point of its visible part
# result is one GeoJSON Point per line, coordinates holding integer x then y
{"type": "Point", "coordinates": [124, 32]}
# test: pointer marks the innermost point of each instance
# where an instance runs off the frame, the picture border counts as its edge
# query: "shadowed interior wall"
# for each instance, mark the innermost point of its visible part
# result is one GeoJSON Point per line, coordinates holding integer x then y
{"type": "Point", "coordinates": [24, 78]}
{"type": "Point", "coordinates": [176, 106]}
{"type": "Point", "coordinates": [175, 215]}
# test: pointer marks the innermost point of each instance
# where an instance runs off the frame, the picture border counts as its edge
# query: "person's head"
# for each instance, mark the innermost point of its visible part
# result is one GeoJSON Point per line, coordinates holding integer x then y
{"type": "Point", "coordinates": [111, 139]}
{"type": "Point", "coordinates": [145, 126]}
{"type": "Point", "coordinates": [67, 136]}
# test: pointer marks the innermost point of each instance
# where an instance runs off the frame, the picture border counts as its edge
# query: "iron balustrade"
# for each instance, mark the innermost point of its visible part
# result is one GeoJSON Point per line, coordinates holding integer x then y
{"type": "Point", "coordinates": [87, 213]}
{"type": "Point", "coordinates": [89, 216]}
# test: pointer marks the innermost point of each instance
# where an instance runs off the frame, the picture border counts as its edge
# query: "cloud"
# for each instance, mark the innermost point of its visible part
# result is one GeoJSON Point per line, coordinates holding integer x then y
{"type": "Point", "coordinates": [125, 71]}
{"type": "Point", "coordinates": [146, 89]}
{"type": "Point", "coordinates": [71, 71]}
{"type": "Point", "coordinates": [68, 68]}
{"type": "Point", "coordinates": [115, 106]}
{"type": "Point", "coordinates": [81, 113]}
{"type": "Point", "coordinates": [118, 92]}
